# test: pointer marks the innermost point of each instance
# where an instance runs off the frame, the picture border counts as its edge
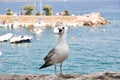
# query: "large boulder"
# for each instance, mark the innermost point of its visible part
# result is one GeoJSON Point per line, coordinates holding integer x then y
{"type": "Point", "coordinates": [94, 19]}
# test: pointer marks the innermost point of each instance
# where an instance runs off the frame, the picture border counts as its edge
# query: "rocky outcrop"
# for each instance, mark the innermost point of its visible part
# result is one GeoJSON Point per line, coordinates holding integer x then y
{"type": "Point", "coordinates": [95, 76]}
{"type": "Point", "coordinates": [93, 19]}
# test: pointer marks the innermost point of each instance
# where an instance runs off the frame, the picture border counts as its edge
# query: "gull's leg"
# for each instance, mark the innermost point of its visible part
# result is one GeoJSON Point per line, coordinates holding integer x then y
{"type": "Point", "coordinates": [55, 68]}
{"type": "Point", "coordinates": [61, 68]}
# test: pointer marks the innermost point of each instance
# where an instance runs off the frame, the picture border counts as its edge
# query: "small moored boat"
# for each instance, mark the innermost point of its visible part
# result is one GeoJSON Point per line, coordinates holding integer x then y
{"type": "Point", "coordinates": [5, 37]}
{"type": "Point", "coordinates": [37, 31]}
{"type": "Point", "coordinates": [21, 39]}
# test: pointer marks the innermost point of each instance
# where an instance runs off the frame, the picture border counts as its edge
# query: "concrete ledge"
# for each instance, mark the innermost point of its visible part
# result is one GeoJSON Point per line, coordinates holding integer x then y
{"type": "Point", "coordinates": [95, 76]}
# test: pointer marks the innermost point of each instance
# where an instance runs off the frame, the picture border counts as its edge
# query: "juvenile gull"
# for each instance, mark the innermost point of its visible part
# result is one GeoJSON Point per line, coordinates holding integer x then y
{"type": "Point", "coordinates": [59, 53]}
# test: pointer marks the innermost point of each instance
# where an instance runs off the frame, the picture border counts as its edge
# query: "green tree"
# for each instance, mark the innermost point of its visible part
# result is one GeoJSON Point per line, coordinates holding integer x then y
{"type": "Point", "coordinates": [9, 12]}
{"type": "Point", "coordinates": [28, 8]}
{"type": "Point", "coordinates": [47, 9]}
{"type": "Point", "coordinates": [38, 13]}
{"type": "Point", "coordinates": [66, 13]}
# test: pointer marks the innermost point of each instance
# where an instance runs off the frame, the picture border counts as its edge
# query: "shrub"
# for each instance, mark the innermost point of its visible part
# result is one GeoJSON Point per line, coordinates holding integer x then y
{"type": "Point", "coordinates": [28, 8]}
{"type": "Point", "coordinates": [47, 9]}
{"type": "Point", "coordinates": [66, 13]}
{"type": "Point", "coordinates": [38, 13]}
{"type": "Point", "coordinates": [9, 12]}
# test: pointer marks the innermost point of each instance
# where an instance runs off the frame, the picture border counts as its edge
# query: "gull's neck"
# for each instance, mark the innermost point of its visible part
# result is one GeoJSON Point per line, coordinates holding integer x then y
{"type": "Point", "coordinates": [62, 38]}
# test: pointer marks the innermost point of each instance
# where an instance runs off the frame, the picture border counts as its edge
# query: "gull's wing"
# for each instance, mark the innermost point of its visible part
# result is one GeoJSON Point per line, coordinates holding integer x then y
{"type": "Point", "coordinates": [47, 59]}
{"type": "Point", "coordinates": [50, 54]}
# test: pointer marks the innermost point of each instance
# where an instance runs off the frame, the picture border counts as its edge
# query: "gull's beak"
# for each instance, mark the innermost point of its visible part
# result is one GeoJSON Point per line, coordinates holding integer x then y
{"type": "Point", "coordinates": [60, 30]}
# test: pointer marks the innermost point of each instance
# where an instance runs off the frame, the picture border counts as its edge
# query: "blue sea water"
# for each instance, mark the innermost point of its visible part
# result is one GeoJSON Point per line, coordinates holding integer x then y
{"type": "Point", "coordinates": [92, 49]}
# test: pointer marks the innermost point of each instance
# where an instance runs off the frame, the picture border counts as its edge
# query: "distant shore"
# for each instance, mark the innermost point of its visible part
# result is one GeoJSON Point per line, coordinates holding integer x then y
{"type": "Point", "coordinates": [91, 19]}
{"type": "Point", "coordinates": [95, 76]}
{"type": "Point", "coordinates": [34, 19]}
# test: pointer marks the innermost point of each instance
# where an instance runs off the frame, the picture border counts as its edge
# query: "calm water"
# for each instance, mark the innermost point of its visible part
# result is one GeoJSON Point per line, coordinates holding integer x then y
{"type": "Point", "coordinates": [91, 50]}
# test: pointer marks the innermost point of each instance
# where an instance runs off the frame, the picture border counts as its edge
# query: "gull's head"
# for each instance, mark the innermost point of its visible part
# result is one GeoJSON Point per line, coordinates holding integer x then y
{"type": "Point", "coordinates": [62, 30]}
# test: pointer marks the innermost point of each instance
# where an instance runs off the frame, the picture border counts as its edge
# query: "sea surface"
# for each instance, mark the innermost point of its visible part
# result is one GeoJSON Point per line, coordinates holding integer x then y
{"type": "Point", "coordinates": [91, 49]}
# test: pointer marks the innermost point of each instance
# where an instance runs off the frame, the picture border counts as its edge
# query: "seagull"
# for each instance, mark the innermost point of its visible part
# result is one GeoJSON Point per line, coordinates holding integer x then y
{"type": "Point", "coordinates": [59, 53]}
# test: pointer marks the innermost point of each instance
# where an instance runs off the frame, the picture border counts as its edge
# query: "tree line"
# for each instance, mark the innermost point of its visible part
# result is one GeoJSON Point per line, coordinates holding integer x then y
{"type": "Point", "coordinates": [28, 8]}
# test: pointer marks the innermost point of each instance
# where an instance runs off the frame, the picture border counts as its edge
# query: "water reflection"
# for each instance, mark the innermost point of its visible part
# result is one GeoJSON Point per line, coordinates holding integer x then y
{"type": "Point", "coordinates": [22, 45]}
{"type": "Point", "coordinates": [1, 53]}
{"type": "Point", "coordinates": [1, 64]}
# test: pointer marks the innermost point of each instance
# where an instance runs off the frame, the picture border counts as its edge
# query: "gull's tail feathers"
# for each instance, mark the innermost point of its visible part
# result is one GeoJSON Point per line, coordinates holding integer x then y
{"type": "Point", "coordinates": [45, 65]}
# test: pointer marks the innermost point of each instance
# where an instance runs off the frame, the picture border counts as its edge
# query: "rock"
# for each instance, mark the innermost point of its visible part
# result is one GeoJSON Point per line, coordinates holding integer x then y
{"type": "Point", "coordinates": [95, 76]}
{"type": "Point", "coordinates": [94, 19]}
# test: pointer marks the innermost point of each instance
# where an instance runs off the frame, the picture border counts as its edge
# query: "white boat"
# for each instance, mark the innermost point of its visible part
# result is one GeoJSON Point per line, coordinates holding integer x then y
{"type": "Point", "coordinates": [72, 24]}
{"type": "Point", "coordinates": [13, 26]}
{"type": "Point", "coordinates": [37, 31]}
{"type": "Point", "coordinates": [3, 25]}
{"type": "Point", "coordinates": [5, 37]}
{"type": "Point", "coordinates": [21, 39]}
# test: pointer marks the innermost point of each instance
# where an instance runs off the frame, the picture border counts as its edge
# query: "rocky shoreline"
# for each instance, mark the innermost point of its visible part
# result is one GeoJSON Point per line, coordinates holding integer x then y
{"type": "Point", "coordinates": [94, 76]}
{"type": "Point", "coordinates": [92, 19]}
